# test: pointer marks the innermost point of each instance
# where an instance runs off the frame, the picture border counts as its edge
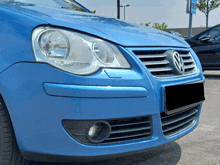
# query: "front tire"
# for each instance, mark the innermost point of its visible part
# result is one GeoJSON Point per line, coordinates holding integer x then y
{"type": "Point", "coordinates": [9, 152]}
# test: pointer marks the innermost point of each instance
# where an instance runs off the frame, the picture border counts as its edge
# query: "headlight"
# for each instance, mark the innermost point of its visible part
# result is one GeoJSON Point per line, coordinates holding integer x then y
{"type": "Point", "coordinates": [75, 52]}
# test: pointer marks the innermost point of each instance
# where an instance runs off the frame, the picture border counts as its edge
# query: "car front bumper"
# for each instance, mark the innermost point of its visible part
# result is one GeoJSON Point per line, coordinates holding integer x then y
{"type": "Point", "coordinates": [39, 97]}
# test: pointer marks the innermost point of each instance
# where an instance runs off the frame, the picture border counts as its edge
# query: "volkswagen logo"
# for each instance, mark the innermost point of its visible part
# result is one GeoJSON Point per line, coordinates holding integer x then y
{"type": "Point", "coordinates": [178, 62]}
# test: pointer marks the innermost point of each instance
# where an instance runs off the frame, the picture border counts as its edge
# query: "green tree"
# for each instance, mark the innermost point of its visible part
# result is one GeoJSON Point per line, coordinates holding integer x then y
{"type": "Point", "coordinates": [147, 24]}
{"type": "Point", "coordinates": [163, 26]}
{"type": "Point", "coordinates": [206, 6]}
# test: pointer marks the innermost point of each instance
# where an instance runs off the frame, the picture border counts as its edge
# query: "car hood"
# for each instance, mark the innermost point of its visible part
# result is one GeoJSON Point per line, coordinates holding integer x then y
{"type": "Point", "coordinates": [120, 32]}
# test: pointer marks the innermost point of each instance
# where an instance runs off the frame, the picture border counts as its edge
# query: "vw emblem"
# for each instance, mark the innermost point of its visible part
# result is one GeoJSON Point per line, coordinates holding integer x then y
{"type": "Point", "coordinates": [178, 62]}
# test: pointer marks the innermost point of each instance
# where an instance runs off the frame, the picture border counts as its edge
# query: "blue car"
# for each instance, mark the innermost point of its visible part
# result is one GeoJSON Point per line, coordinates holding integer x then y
{"type": "Point", "coordinates": [75, 86]}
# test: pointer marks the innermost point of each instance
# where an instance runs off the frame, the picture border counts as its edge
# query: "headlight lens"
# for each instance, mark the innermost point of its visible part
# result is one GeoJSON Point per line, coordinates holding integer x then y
{"type": "Point", "coordinates": [54, 44]}
{"type": "Point", "coordinates": [103, 52]}
{"type": "Point", "coordinates": [75, 52]}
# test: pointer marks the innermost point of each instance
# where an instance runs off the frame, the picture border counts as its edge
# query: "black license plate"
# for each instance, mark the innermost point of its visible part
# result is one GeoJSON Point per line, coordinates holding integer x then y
{"type": "Point", "coordinates": [180, 97]}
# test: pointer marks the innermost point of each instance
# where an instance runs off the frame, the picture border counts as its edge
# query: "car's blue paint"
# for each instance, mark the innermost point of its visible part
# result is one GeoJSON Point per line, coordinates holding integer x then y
{"type": "Point", "coordinates": [15, 33]}
{"type": "Point", "coordinates": [79, 91]}
{"type": "Point", "coordinates": [37, 116]}
{"type": "Point", "coordinates": [120, 32]}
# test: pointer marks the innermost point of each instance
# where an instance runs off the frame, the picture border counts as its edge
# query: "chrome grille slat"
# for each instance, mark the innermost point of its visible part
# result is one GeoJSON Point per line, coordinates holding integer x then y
{"type": "Point", "coordinates": [188, 61]}
{"type": "Point", "coordinates": [160, 69]}
{"type": "Point", "coordinates": [160, 63]}
{"type": "Point", "coordinates": [178, 122]}
{"type": "Point", "coordinates": [189, 66]}
{"type": "Point", "coordinates": [185, 55]}
{"type": "Point", "coordinates": [129, 136]}
{"type": "Point", "coordinates": [152, 56]}
{"type": "Point", "coordinates": [179, 125]}
{"type": "Point", "coordinates": [156, 62]}
{"type": "Point", "coordinates": [177, 119]}
{"type": "Point", "coordinates": [176, 114]}
{"type": "Point", "coordinates": [124, 140]}
{"type": "Point", "coordinates": [178, 130]}
{"type": "Point", "coordinates": [130, 130]}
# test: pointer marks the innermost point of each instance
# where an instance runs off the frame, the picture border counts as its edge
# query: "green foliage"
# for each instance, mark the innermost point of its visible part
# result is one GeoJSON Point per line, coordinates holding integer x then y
{"type": "Point", "coordinates": [163, 26]}
{"type": "Point", "coordinates": [206, 6]}
{"type": "Point", "coordinates": [147, 24]}
{"type": "Point", "coordinates": [94, 11]}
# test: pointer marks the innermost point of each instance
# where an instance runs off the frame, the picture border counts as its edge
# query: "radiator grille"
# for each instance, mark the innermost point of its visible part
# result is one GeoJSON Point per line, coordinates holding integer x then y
{"type": "Point", "coordinates": [159, 63]}
{"type": "Point", "coordinates": [178, 122]}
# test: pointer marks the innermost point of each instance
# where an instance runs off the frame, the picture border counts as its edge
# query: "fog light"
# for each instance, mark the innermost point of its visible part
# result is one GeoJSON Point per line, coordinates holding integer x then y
{"type": "Point", "coordinates": [98, 132]}
{"type": "Point", "coordinates": [92, 131]}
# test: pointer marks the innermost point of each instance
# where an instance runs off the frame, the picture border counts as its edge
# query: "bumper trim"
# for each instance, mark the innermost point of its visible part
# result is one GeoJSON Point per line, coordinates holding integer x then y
{"type": "Point", "coordinates": [34, 156]}
{"type": "Point", "coordinates": [78, 91]}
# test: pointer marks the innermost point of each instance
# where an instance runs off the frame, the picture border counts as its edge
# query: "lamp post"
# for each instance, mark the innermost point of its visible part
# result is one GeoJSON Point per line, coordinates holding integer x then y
{"type": "Point", "coordinates": [124, 8]}
{"type": "Point", "coordinates": [118, 9]}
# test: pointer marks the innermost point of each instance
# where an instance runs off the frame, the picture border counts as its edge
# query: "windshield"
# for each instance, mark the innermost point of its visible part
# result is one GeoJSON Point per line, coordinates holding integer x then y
{"type": "Point", "coordinates": [65, 4]}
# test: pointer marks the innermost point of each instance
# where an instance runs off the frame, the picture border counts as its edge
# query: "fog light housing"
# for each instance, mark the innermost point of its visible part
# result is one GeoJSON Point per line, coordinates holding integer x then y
{"type": "Point", "coordinates": [98, 132]}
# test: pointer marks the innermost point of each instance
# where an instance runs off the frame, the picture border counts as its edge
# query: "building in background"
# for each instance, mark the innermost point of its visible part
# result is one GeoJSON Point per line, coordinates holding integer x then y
{"type": "Point", "coordinates": [185, 31]}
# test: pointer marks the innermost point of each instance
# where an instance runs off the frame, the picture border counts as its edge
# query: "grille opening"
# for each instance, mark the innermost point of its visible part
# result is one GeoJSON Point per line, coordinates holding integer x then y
{"type": "Point", "coordinates": [152, 52]}
{"type": "Point", "coordinates": [186, 57]}
{"type": "Point", "coordinates": [182, 52]}
{"type": "Point", "coordinates": [156, 66]}
{"type": "Point", "coordinates": [175, 123]}
{"type": "Point", "coordinates": [129, 121]}
{"type": "Point", "coordinates": [152, 59]}
{"type": "Point", "coordinates": [130, 128]}
{"type": "Point", "coordinates": [162, 74]}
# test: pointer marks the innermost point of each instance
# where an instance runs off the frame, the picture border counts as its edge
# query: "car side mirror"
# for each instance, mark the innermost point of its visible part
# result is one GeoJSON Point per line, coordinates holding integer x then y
{"type": "Point", "coordinates": [205, 38]}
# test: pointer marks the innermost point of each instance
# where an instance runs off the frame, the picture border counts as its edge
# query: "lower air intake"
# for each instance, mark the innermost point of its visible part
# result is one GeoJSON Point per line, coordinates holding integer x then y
{"type": "Point", "coordinates": [178, 122]}
{"type": "Point", "coordinates": [122, 130]}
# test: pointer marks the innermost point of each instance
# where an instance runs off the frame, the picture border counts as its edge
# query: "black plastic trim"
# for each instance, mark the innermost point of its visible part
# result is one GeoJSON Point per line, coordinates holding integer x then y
{"type": "Point", "coordinates": [34, 156]}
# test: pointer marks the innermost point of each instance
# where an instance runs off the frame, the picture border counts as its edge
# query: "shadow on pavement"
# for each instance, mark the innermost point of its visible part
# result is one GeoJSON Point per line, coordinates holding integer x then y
{"type": "Point", "coordinates": [168, 154]}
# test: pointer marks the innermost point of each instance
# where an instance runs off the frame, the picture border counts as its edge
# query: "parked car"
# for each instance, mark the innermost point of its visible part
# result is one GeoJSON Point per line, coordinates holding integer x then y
{"type": "Point", "coordinates": [178, 35]}
{"type": "Point", "coordinates": [207, 47]}
{"type": "Point", "coordinates": [185, 37]}
{"type": "Point", "coordinates": [78, 86]}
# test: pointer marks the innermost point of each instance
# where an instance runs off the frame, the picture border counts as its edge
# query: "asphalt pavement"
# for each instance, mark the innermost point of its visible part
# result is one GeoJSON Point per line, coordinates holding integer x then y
{"type": "Point", "coordinates": [200, 147]}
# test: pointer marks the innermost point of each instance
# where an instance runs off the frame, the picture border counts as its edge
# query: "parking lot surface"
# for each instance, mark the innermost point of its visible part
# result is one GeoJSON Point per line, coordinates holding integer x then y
{"type": "Point", "coordinates": [202, 146]}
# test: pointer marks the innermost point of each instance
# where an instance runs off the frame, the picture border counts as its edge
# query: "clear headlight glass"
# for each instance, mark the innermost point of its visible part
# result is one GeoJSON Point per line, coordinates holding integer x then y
{"type": "Point", "coordinates": [75, 52]}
